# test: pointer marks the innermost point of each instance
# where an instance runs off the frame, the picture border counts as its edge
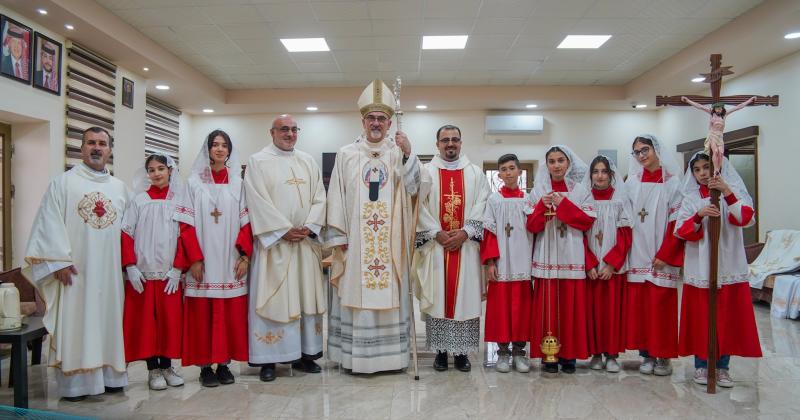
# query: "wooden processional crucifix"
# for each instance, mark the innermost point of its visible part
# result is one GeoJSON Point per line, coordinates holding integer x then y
{"type": "Point", "coordinates": [714, 78]}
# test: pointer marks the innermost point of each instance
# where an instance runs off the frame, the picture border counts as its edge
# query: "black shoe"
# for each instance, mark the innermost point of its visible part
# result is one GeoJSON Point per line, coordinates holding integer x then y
{"type": "Point", "coordinates": [207, 377]}
{"type": "Point", "coordinates": [550, 368]}
{"type": "Point", "coordinates": [568, 368]}
{"type": "Point", "coordinates": [74, 399]}
{"type": "Point", "coordinates": [113, 389]}
{"type": "Point", "coordinates": [307, 366]}
{"type": "Point", "coordinates": [267, 373]}
{"type": "Point", "coordinates": [440, 363]}
{"type": "Point", "coordinates": [224, 375]}
{"type": "Point", "coordinates": [462, 363]}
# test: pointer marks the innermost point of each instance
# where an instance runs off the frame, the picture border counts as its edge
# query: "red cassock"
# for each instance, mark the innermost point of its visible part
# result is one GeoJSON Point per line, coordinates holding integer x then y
{"type": "Point", "coordinates": [567, 299]}
{"type": "Point", "coordinates": [508, 303]}
{"type": "Point", "coordinates": [651, 312]}
{"type": "Point", "coordinates": [152, 320]}
{"type": "Point", "coordinates": [606, 296]}
{"type": "Point", "coordinates": [214, 329]}
{"type": "Point", "coordinates": [737, 334]}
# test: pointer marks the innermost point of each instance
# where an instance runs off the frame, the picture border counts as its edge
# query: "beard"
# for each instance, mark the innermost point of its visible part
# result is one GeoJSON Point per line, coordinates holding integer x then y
{"type": "Point", "coordinates": [375, 135]}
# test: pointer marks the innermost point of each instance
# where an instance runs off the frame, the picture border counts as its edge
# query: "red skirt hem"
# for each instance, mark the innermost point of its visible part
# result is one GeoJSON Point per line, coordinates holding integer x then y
{"type": "Point", "coordinates": [508, 311]}
{"type": "Point", "coordinates": [152, 322]}
{"type": "Point", "coordinates": [605, 315]}
{"type": "Point", "coordinates": [651, 319]}
{"type": "Point", "coordinates": [568, 317]}
{"type": "Point", "coordinates": [214, 330]}
{"type": "Point", "coordinates": [737, 334]}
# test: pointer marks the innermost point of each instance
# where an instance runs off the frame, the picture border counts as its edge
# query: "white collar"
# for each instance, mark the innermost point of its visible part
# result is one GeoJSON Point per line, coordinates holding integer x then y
{"type": "Point", "coordinates": [274, 149]}
{"type": "Point", "coordinates": [451, 165]}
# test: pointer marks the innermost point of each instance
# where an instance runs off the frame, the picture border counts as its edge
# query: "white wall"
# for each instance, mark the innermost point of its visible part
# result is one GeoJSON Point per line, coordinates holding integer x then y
{"type": "Point", "coordinates": [129, 128]}
{"type": "Point", "coordinates": [585, 131]}
{"type": "Point", "coordinates": [778, 142]}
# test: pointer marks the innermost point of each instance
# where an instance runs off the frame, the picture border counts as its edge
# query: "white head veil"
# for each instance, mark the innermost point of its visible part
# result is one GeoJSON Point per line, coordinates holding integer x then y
{"type": "Point", "coordinates": [690, 185]}
{"type": "Point", "coordinates": [201, 169]}
{"type": "Point", "coordinates": [575, 173]}
{"type": "Point", "coordinates": [620, 189]}
{"type": "Point", "coordinates": [141, 182]}
{"type": "Point", "coordinates": [669, 166]}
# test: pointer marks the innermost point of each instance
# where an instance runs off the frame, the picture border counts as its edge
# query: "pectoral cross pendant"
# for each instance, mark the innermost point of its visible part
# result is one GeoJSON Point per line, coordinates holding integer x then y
{"type": "Point", "coordinates": [642, 213]}
{"type": "Point", "coordinates": [508, 229]}
{"type": "Point", "coordinates": [216, 214]}
{"type": "Point", "coordinates": [562, 229]}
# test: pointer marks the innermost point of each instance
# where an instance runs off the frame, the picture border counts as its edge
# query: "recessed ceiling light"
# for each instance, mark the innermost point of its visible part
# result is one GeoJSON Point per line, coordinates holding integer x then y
{"type": "Point", "coordinates": [146, 68]}
{"type": "Point", "coordinates": [311, 108]}
{"type": "Point", "coordinates": [162, 87]}
{"type": "Point", "coordinates": [698, 79]}
{"type": "Point", "coordinates": [531, 106]}
{"type": "Point", "coordinates": [208, 110]}
{"type": "Point", "coordinates": [422, 106]}
{"type": "Point", "coordinates": [449, 42]}
{"type": "Point", "coordinates": [584, 41]}
{"type": "Point", "coordinates": [792, 35]}
{"type": "Point", "coordinates": [42, 11]}
{"type": "Point", "coordinates": [69, 27]}
{"type": "Point", "coordinates": [305, 44]}
{"type": "Point", "coordinates": [639, 106]}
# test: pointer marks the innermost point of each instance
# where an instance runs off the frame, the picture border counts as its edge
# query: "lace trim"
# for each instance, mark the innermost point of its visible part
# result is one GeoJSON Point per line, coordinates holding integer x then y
{"type": "Point", "coordinates": [236, 284]}
{"type": "Point", "coordinates": [154, 275]}
{"type": "Point", "coordinates": [569, 267]}
{"type": "Point", "coordinates": [477, 227]}
{"type": "Point", "coordinates": [721, 281]}
{"type": "Point", "coordinates": [128, 229]}
{"type": "Point", "coordinates": [514, 277]}
{"type": "Point", "coordinates": [491, 227]}
{"type": "Point", "coordinates": [423, 238]}
{"type": "Point", "coordinates": [654, 274]}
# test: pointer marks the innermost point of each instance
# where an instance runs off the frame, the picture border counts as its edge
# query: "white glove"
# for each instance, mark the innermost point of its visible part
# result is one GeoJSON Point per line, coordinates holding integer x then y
{"type": "Point", "coordinates": [173, 279]}
{"type": "Point", "coordinates": [136, 278]}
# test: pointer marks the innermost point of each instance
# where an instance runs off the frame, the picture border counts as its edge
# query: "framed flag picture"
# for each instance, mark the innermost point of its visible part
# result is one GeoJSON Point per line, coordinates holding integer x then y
{"type": "Point", "coordinates": [15, 60]}
{"type": "Point", "coordinates": [46, 64]}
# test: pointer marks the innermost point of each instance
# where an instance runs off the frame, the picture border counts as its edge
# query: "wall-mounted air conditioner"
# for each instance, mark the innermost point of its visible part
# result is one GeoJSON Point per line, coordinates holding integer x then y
{"type": "Point", "coordinates": [514, 124]}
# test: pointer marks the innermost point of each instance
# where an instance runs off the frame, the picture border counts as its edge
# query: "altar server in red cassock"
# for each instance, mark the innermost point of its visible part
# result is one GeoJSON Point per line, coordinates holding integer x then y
{"type": "Point", "coordinates": [153, 314]}
{"type": "Point", "coordinates": [217, 240]}
{"type": "Point", "coordinates": [651, 294]}
{"type": "Point", "coordinates": [506, 249]}
{"type": "Point", "coordinates": [737, 334]}
{"type": "Point", "coordinates": [608, 242]}
{"type": "Point", "coordinates": [560, 291]}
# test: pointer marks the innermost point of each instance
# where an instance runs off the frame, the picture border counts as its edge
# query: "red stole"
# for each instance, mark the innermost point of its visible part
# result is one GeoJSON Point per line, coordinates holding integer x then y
{"type": "Point", "coordinates": [451, 215]}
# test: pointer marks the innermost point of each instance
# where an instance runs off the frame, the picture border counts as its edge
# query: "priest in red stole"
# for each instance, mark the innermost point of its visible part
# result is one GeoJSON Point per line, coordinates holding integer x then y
{"type": "Point", "coordinates": [447, 264]}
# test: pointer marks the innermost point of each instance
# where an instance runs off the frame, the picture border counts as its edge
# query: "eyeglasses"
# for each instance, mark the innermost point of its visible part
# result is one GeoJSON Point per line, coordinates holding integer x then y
{"type": "Point", "coordinates": [286, 129]}
{"type": "Point", "coordinates": [372, 118]}
{"type": "Point", "coordinates": [644, 151]}
{"type": "Point", "coordinates": [451, 140]}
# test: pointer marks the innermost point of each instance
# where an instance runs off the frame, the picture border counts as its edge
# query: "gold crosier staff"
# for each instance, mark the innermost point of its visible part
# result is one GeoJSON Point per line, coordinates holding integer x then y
{"type": "Point", "coordinates": [550, 345]}
{"type": "Point", "coordinates": [398, 112]}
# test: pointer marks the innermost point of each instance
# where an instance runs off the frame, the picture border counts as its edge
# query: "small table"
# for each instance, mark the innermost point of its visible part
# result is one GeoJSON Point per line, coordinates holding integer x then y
{"type": "Point", "coordinates": [32, 329]}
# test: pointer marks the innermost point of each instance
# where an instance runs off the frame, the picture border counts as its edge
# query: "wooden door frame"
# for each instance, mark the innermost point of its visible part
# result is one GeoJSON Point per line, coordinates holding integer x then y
{"type": "Point", "coordinates": [493, 166]}
{"type": "Point", "coordinates": [8, 151]}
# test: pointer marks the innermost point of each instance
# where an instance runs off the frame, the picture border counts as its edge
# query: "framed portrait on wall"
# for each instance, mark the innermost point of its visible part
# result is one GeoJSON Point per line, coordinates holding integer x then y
{"type": "Point", "coordinates": [15, 60]}
{"type": "Point", "coordinates": [127, 92]}
{"type": "Point", "coordinates": [46, 64]}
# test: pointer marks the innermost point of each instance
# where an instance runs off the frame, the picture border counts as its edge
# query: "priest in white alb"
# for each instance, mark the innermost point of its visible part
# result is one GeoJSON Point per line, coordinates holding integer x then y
{"type": "Point", "coordinates": [286, 198]}
{"type": "Point", "coordinates": [74, 256]}
{"type": "Point", "coordinates": [370, 229]}
{"type": "Point", "coordinates": [453, 194]}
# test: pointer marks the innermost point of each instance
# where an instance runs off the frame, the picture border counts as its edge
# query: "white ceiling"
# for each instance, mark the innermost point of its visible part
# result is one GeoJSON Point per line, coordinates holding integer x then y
{"type": "Point", "coordinates": [511, 42]}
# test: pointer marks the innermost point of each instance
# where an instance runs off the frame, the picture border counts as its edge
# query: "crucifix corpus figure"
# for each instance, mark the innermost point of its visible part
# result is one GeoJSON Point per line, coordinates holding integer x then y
{"type": "Point", "coordinates": [714, 146]}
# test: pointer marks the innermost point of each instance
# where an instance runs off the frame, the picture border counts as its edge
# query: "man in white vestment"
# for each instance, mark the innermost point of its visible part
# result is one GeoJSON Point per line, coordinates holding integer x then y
{"type": "Point", "coordinates": [370, 229]}
{"type": "Point", "coordinates": [286, 198]}
{"type": "Point", "coordinates": [74, 253]}
{"type": "Point", "coordinates": [453, 194]}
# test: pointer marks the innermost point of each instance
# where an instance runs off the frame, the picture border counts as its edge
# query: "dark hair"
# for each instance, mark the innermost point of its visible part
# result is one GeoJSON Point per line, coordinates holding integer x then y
{"type": "Point", "coordinates": [97, 130]}
{"type": "Point", "coordinates": [699, 156]}
{"type": "Point", "coordinates": [447, 127]}
{"type": "Point", "coordinates": [556, 149]}
{"type": "Point", "coordinates": [643, 140]}
{"type": "Point", "coordinates": [604, 161]}
{"type": "Point", "coordinates": [721, 113]}
{"type": "Point", "coordinates": [217, 133]}
{"type": "Point", "coordinates": [508, 158]}
{"type": "Point", "coordinates": [156, 157]}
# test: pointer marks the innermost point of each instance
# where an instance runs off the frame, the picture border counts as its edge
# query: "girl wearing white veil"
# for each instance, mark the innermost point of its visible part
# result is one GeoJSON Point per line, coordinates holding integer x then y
{"type": "Point", "coordinates": [651, 295]}
{"type": "Point", "coordinates": [217, 240]}
{"type": "Point", "coordinates": [153, 311]}
{"type": "Point", "coordinates": [558, 267]}
{"type": "Point", "coordinates": [736, 326]}
{"type": "Point", "coordinates": [608, 242]}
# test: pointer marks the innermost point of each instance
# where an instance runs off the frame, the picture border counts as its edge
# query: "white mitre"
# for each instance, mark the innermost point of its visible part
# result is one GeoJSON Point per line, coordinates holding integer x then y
{"type": "Point", "coordinates": [376, 97]}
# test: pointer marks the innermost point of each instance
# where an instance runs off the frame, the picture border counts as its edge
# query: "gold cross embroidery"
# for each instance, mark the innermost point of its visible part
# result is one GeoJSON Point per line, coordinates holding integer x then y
{"type": "Point", "coordinates": [508, 228]}
{"type": "Point", "coordinates": [297, 182]}
{"type": "Point", "coordinates": [216, 214]}
{"type": "Point", "coordinates": [450, 206]}
{"type": "Point", "coordinates": [642, 213]}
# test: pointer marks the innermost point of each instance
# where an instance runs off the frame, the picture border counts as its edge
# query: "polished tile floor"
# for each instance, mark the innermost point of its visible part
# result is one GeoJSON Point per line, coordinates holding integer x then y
{"type": "Point", "coordinates": [768, 388]}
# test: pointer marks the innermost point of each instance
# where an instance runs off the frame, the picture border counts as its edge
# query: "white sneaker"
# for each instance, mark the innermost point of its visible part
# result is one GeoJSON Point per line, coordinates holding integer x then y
{"type": "Point", "coordinates": [522, 363]}
{"type": "Point", "coordinates": [612, 366]}
{"type": "Point", "coordinates": [663, 367]}
{"type": "Point", "coordinates": [596, 363]}
{"type": "Point", "coordinates": [503, 363]}
{"type": "Point", "coordinates": [156, 380]}
{"type": "Point", "coordinates": [172, 376]}
{"type": "Point", "coordinates": [646, 368]}
{"type": "Point", "coordinates": [724, 378]}
{"type": "Point", "coordinates": [700, 376]}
